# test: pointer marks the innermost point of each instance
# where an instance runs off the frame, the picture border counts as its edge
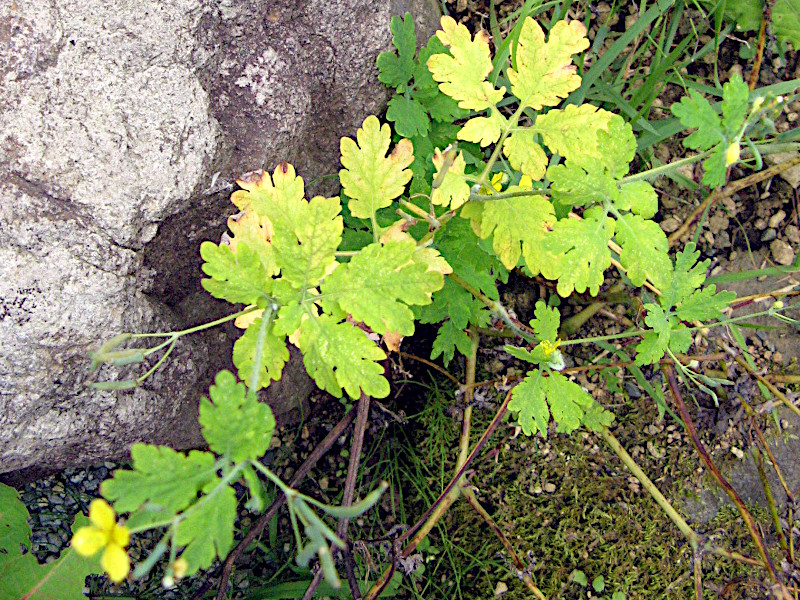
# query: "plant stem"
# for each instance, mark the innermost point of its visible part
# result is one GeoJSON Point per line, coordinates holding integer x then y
{"type": "Point", "coordinates": [319, 451]}
{"type": "Point", "coordinates": [687, 531]}
{"type": "Point", "coordinates": [727, 488]}
{"type": "Point", "coordinates": [664, 169]}
{"type": "Point", "coordinates": [496, 307]}
{"type": "Point", "coordinates": [384, 579]}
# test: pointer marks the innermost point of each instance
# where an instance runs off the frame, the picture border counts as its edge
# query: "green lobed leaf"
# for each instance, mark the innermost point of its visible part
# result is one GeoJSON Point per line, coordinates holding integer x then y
{"type": "Point", "coordinates": [21, 576]}
{"type": "Point", "coordinates": [370, 178]}
{"type": "Point", "coordinates": [378, 285]}
{"type": "Point", "coordinates": [639, 197]}
{"type": "Point", "coordinates": [454, 189]}
{"type": "Point", "coordinates": [207, 529]}
{"type": "Point", "coordinates": [544, 73]}
{"type": "Point", "coordinates": [462, 74]}
{"type": "Point", "coordinates": [470, 257]}
{"type": "Point", "coordinates": [162, 477]}
{"type": "Point", "coordinates": [528, 400]}
{"type": "Point", "coordinates": [617, 146]}
{"type": "Point", "coordinates": [517, 224]}
{"type": "Point", "coordinates": [735, 100]}
{"type": "Point", "coordinates": [667, 332]}
{"type": "Point", "coordinates": [525, 154]}
{"type": "Point", "coordinates": [575, 185]}
{"type": "Point", "coordinates": [689, 276]}
{"type": "Point", "coordinates": [704, 304]}
{"type": "Point", "coordinates": [580, 254]}
{"type": "Point", "coordinates": [450, 338]}
{"type": "Point", "coordinates": [654, 343]}
{"type": "Point", "coordinates": [397, 69]}
{"type": "Point", "coordinates": [546, 322]}
{"type": "Point", "coordinates": [340, 355]}
{"type": "Point", "coordinates": [694, 111]}
{"type": "Point", "coordinates": [307, 235]}
{"type": "Point", "coordinates": [484, 130]}
{"type": "Point", "coordinates": [572, 132]}
{"type": "Point", "coordinates": [236, 277]}
{"type": "Point", "coordinates": [644, 251]}
{"type": "Point", "coordinates": [537, 397]}
{"type": "Point", "coordinates": [274, 355]}
{"type": "Point", "coordinates": [235, 424]}
{"type": "Point", "coordinates": [409, 117]}
{"type": "Point", "coordinates": [715, 169]}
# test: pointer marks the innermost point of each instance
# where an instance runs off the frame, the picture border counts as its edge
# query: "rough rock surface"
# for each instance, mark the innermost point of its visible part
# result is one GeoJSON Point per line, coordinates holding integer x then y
{"type": "Point", "coordinates": [121, 125]}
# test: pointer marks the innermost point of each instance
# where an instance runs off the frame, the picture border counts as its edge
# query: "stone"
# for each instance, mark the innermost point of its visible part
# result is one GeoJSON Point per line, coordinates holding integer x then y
{"type": "Point", "coordinates": [776, 219]}
{"type": "Point", "coordinates": [670, 224]}
{"type": "Point", "coordinates": [782, 253]}
{"type": "Point", "coordinates": [769, 235]}
{"type": "Point", "coordinates": [500, 589]}
{"type": "Point", "coordinates": [790, 175]}
{"type": "Point", "coordinates": [122, 128]}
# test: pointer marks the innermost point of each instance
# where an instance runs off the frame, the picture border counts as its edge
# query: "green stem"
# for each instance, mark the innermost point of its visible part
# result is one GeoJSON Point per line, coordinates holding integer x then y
{"type": "Point", "coordinates": [228, 478]}
{"type": "Point", "coordinates": [512, 122]}
{"type": "Point", "coordinates": [196, 328]}
{"type": "Point", "coordinates": [664, 169]}
{"type": "Point", "coordinates": [689, 533]}
{"type": "Point", "coordinates": [496, 307]}
{"type": "Point", "coordinates": [502, 195]}
{"type": "Point", "coordinates": [266, 321]}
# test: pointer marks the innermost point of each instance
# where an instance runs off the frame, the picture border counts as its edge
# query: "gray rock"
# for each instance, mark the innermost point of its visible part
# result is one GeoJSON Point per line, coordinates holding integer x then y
{"type": "Point", "coordinates": [703, 503]}
{"type": "Point", "coordinates": [769, 235]}
{"type": "Point", "coordinates": [120, 122]}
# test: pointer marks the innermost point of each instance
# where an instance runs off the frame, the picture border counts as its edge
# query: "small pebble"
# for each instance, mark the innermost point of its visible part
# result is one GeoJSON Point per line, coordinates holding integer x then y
{"type": "Point", "coordinates": [792, 234]}
{"type": "Point", "coordinates": [769, 235]}
{"type": "Point", "coordinates": [549, 488]}
{"type": "Point", "coordinates": [632, 391]}
{"type": "Point", "coordinates": [776, 219]}
{"type": "Point", "coordinates": [670, 224]}
{"type": "Point", "coordinates": [782, 252]}
{"type": "Point", "coordinates": [760, 224]}
{"type": "Point", "coordinates": [500, 589]}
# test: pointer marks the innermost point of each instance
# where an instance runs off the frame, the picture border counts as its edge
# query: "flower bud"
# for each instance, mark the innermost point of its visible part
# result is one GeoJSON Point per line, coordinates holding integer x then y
{"type": "Point", "coordinates": [732, 154]}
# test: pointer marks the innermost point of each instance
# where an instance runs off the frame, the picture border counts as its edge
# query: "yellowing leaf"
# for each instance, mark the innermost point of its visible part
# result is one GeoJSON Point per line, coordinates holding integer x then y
{"type": "Point", "coordinates": [572, 132]}
{"type": "Point", "coordinates": [273, 356]}
{"type": "Point", "coordinates": [544, 71]}
{"type": "Point", "coordinates": [525, 154]}
{"type": "Point", "coordinates": [454, 189]}
{"type": "Point", "coordinates": [259, 189]}
{"type": "Point", "coordinates": [518, 224]}
{"type": "Point", "coordinates": [580, 248]}
{"type": "Point", "coordinates": [370, 178]}
{"type": "Point", "coordinates": [462, 76]}
{"type": "Point", "coordinates": [378, 285]}
{"type": "Point", "coordinates": [644, 251]}
{"type": "Point", "coordinates": [307, 235]}
{"type": "Point", "coordinates": [255, 231]}
{"type": "Point", "coordinates": [340, 355]}
{"type": "Point", "coordinates": [484, 130]}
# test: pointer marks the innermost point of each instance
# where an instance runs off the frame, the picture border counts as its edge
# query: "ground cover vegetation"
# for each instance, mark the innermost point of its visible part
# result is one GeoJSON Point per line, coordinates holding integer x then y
{"type": "Point", "coordinates": [525, 153]}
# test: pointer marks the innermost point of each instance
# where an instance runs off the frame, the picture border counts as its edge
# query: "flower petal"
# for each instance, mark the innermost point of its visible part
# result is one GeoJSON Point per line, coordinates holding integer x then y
{"type": "Point", "coordinates": [87, 541]}
{"type": "Point", "coordinates": [102, 515]}
{"type": "Point", "coordinates": [121, 536]}
{"type": "Point", "coordinates": [115, 563]}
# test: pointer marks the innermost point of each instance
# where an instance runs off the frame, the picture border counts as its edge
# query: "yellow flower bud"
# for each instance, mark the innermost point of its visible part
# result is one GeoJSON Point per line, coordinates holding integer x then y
{"type": "Point", "coordinates": [732, 154]}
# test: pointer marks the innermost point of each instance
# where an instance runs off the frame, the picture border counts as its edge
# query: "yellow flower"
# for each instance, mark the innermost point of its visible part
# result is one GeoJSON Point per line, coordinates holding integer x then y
{"type": "Point", "coordinates": [498, 179]}
{"type": "Point", "coordinates": [104, 532]}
